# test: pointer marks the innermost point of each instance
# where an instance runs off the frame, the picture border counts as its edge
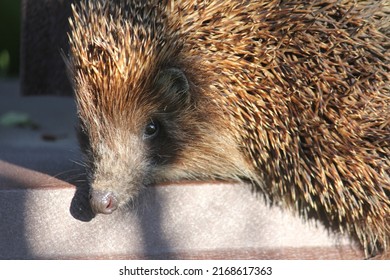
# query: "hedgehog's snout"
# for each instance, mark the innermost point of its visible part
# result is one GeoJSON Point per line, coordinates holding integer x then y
{"type": "Point", "coordinates": [103, 202]}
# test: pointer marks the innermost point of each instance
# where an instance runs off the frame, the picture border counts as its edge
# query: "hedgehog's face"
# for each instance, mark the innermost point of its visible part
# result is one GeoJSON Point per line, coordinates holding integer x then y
{"type": "Point", "coordinates": [142, 120]}
{"type": "Point", "coordinates": [135, 145]}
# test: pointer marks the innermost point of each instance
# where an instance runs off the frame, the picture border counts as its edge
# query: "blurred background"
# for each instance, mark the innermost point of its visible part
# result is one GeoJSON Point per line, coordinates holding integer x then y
{"type": "Point", "coordinates": [40, 120]}
{"type": "Point", "coordinates": [9, 37]}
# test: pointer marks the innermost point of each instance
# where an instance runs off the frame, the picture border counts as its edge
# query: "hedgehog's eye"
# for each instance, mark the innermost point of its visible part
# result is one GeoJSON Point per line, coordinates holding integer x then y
{"type": "Point", "coordinates": [151, 130]}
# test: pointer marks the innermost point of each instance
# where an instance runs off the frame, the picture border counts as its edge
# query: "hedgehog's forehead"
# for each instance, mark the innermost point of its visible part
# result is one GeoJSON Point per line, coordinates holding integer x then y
{"type": "Point", "coordinates": [116, 51]}
{"type": "Point", "coordinates": [113, 80]}
{"type": "Point", "coordinates": [108, 83]}
{"type": "Point", "coordinates": [114, 46]}
{"type": "Point", "coordinates": [110, 62]}
{"type": "Point", "coordinates": [122, 54]}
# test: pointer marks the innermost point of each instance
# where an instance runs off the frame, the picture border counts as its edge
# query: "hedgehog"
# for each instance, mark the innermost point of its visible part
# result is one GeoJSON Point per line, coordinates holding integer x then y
{"type": "Point", "coordinates": [291, 97]}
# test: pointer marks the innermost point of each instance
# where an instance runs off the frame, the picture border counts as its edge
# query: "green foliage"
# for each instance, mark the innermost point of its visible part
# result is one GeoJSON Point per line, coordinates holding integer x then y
{"type": "Point", "coordinates": [9, 37]}
{"type": "Point", "coordinates": [4, 62]}
{"type": "Point", "coordinates": [17, 119]}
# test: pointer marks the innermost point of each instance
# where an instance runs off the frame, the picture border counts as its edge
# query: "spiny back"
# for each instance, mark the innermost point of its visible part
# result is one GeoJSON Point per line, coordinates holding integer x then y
{"type": "Point", "coordinates": [307, 86]}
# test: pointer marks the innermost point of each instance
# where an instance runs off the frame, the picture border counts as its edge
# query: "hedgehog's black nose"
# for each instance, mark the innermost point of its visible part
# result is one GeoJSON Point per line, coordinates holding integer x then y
{"type": "Point", "coordinates": [103, 202]}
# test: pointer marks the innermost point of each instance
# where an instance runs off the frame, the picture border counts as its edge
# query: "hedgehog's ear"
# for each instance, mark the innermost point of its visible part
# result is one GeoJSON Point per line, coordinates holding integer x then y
{"type": "Point", "coordinates": [173, 84]}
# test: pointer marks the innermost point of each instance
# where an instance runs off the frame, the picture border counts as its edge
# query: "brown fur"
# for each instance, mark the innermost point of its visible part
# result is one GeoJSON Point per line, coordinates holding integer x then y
{"type": "Point", "coordinates": [292, 96]}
